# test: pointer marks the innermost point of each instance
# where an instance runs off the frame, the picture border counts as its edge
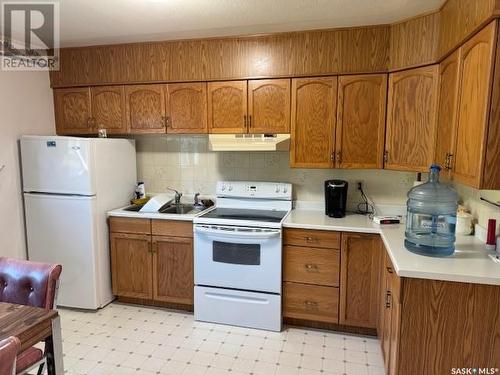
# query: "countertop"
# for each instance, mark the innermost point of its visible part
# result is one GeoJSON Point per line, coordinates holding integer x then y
{"type": "Point", "coordinates": [121, 212]}
{"type": "Point", "coordinates": [470, 263]}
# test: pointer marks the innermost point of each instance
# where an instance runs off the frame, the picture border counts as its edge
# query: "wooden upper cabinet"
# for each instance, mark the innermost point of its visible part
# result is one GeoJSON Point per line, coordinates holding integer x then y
{"type": "Point", "coordinates": [361, 262]}
{"type": "Point", "coordinates": [145, 108]}
{"type": "Point", "coordinates": [108, 108]}
{"type": "Point", "coordinates": [131, 265]}
{"type": "Point", "coordinates": [269, 106]}
{"type": "Point", "coordinates": [73, 111]}
{"type": "Point", "coordinates": [186, 107]}
{"type": "Point", "coordinates": [314, 103]}
{"type": "Point", "coordinates": [173, 269]}
{"type": "Point", "coordinates": [476, 69]}
{"type": "Point", "coordinates": [411, 119]}
{"type": "Point", "coordinates": [227, 107]}
{"type": "Point", "coordinates": [361, 121]}
{"type": "Point", "coordinates": [447, 111]}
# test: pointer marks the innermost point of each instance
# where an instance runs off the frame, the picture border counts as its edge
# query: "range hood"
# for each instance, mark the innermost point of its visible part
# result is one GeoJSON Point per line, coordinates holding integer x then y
{"type": "Point", "coordinates": [249, 142]}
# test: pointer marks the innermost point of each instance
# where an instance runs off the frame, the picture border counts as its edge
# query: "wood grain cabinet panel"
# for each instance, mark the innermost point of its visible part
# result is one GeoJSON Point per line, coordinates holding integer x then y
{"type": "Point", "coordinates": [186, 107]}
{"type": "Point", "coordinates": [311, 238]}
{"type": "Point", "coordinates": [269, 106]}
{"type": "Point", "coordinates": [449, 81]}
{"type": "Point", "coordinates": [314, 103]}
{"type": "Point", "coordinates": [311, 266]}
{"type": "Point", "coordinates": [360, 279]}
{"type": "Point", "coordinates": [173, 269]}
{"type": "Point", "coordinates": [108, 108]}
{"type": "Point", "coordinates": [227, 107]}
{"type": "Point", "coordinates": [145, 108]}
{"type": "Point", "coordinates": [411, 119]}
{"type": "Point", "coordinates": [129, 225]}
{"type": "Point", "coordinates": [73, 111]}
{"type": "Point", "coordinates": [310, 302]}
{"type": "Point", "coordinates": [360, 133]}
{"type": "Point", "coordinates": [476, 69]}
{"type": "Point", "coordinates": [172, 228]}
{"type": "Point", "coordinates": [132, 265]}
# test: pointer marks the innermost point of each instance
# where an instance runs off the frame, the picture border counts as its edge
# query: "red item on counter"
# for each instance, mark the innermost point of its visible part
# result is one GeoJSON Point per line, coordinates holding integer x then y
{"type": "Point", "coordinates": [491, 236]}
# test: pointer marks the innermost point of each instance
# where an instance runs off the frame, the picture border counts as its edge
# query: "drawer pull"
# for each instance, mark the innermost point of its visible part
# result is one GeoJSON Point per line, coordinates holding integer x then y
{"type": "Point", "coordinates": [311, 267]}
{"type": "Point", "coordinates": [311, 304]}
{"type": "Point", "coordinates": [388, 299]}
{"type": "Point", "coordinates": [311, 239]}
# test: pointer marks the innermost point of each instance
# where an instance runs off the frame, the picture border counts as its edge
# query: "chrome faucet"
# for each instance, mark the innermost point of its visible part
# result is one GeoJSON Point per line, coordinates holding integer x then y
{"type": "Point", "coordinates": [178, 195]}
{"type": "Point", "coordinates": [197, 200]}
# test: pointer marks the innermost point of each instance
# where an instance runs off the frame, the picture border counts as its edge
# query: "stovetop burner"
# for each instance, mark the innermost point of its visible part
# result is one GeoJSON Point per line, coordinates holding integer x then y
{"type": "Point", "coordinates": [267, 216]}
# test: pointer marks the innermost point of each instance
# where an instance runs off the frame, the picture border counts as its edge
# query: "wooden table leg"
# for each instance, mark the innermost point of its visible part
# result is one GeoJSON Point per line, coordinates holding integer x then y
{"type": "Point", "coordinates": [53, 349]}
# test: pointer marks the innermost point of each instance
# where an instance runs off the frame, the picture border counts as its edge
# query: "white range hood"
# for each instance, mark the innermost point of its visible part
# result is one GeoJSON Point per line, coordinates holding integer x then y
{"type": "Point", "coordinates": [249, 142]}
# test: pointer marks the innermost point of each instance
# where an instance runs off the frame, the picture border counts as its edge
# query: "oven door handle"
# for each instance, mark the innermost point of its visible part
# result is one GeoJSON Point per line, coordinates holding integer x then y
{"type": "Point", "coordinates": [240, 234]}
{"type": "Point", "coordinates": [233, 298]}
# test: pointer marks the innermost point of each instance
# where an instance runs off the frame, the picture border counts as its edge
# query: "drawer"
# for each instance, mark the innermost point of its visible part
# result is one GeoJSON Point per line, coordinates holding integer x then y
{"type": "Point", "coordinates": [311, 265]}
{"type": "Point", "coordinates": [129, 225]}
{"type": "Point", "coordinates": [176, 228]}
{"type": "Point", "coordinates": [311, 302]}
{"type": "Point", "coordinates": [237, 307]}
{"type": "Point", "coordinates": [311, 238]}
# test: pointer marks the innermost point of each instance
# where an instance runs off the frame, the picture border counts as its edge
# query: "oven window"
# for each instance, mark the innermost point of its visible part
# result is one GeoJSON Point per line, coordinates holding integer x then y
{"type": "Point", "coordinates": [236, 253]}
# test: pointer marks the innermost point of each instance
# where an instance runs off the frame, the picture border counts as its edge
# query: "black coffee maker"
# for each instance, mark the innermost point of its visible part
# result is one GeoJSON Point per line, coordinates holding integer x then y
{"type": "Point", "coordinates": [335, 198]}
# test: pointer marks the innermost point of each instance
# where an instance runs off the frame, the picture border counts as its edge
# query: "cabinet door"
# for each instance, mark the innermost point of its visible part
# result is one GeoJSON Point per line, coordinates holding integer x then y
{"type": "Point", "coordinates": [360, 134]}
{"type": "Point", "coordinates": [173, 269]}
{"type": "Point", "coordinates": [447, 110]}
{"type": "Point", "coordinates": [411, 119]}
{"type": "Point", "coordinates": [395, 307]}
{"type": "Point", "coordinates": [227, 107]}
{"type": "Point", "coordinates": [131, 265]}
{"type": "Point", "coordinates": [360, 263]}
{"type": "Point", "coordinates": [314, 104]}
{"type": "Point", "coordinates": [108, 109]}
{"type": "Point", "coordinates": [73, 111]}
{"type": "Point", "coordinates": [269, 106]}
{"type": "Point", "coordinates": [186, 107]}
{"type": "Point", "coordinates": [476, 64]}
{"type": "Point", "coordinates": [145, 108]}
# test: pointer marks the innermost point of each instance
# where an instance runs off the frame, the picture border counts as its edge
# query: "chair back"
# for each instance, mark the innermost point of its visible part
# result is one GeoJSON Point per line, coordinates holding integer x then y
{"type": "Point", "coordinates": [28, 283]}
{"type": "Point", "coordinates": [8, 351]}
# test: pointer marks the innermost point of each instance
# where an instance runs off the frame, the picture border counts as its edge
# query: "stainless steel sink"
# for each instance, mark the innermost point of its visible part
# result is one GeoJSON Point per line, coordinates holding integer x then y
{"type": "Point", "coordinates": [180, 209]}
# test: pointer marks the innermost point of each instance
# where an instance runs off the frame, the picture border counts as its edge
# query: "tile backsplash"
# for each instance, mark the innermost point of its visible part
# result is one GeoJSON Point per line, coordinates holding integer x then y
{"type": "Point", "coordinates": [184, 162]}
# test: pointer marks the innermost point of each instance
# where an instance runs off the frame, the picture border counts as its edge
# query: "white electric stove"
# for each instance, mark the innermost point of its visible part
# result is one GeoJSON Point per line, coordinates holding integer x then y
{"type": "Point", "coordinates": [237, 255]}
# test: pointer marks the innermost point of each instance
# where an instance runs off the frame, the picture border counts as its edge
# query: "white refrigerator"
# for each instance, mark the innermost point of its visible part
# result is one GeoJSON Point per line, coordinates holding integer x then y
{"type": "Point", "coordinates": [69, 184]}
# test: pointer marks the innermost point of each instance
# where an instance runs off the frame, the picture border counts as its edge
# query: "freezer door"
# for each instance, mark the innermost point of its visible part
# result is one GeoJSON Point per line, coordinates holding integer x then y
{"type": "Point", "coordinates": [58, 165]}
{"type": "Point", "coordinates": [62, 229]}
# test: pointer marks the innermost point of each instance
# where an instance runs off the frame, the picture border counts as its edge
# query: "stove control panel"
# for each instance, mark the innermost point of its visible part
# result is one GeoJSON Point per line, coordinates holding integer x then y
{"type": "Point", "coordinates": [248, 189]}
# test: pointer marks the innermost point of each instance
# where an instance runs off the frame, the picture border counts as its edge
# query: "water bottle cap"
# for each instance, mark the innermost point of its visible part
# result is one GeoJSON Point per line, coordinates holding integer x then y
{"type": "Point", "coordinates": [435, 167]}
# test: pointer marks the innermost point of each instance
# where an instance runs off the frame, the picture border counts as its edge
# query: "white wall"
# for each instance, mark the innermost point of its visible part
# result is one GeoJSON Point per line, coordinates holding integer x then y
{"type": "Point", "coordinates": [26, 107]}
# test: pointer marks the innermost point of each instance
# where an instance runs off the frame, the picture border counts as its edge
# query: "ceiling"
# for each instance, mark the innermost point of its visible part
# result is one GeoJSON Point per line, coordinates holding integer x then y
{"type": "Point", "coordinates": [93, 22]}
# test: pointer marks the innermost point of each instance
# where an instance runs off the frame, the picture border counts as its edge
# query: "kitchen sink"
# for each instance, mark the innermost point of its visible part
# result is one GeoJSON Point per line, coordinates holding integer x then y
{"type": "Point", "coordinates": [180, 209]}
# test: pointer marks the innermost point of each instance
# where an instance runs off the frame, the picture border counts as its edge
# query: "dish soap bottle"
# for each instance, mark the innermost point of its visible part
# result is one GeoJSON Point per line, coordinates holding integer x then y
{"type": "Point", "coordinates": [431, 217]}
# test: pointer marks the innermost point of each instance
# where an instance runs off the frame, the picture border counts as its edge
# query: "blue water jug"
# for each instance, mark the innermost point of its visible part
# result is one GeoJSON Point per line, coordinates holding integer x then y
{"type": "Point", "coordinates": [431, 217]}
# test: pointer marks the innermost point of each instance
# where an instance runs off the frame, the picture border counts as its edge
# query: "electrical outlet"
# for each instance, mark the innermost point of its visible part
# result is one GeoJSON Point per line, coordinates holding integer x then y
{"type": "Point", "coordinates": [360, 184]}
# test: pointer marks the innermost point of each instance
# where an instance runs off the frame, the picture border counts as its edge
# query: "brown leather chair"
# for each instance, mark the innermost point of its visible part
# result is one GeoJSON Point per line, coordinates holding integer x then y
{"type": "Point", "coordinates": [33, 284]}
{"type": "Point", "coordinates": [8, 351]}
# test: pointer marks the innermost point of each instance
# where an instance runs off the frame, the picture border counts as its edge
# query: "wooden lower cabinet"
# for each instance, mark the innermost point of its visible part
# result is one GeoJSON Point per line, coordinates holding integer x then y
{"type": "Point", "coordinates": [173, 269]}
{"type": "Point", "coordinates": [360, 279]}
{"type": "Point", "coordinates": [149, 264]}
{"type": "Point", "coordinates": [131, 265]}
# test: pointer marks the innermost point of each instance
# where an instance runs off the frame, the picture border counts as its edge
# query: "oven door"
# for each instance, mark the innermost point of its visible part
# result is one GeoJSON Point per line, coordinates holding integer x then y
{"type": "Point", "coordinates": [237, 257]}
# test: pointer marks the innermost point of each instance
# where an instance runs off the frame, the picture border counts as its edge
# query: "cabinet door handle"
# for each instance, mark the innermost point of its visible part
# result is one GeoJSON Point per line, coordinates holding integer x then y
{"type": "Point", "coordinates": [245, 122]}
{"type": "Point", "coordinates": [450, 162]}
{"type": "Point", "coordinates": [389, 269]}
{"type": "Point", "coordinates": [250, 121]}
{"type": "Point", "coordinates": [386, 156]}
{"type": "Point", "coordinates": [311, 267]}
{"type": "Point", "coordinates": [332, 157]}
{"type": "Point", "coordinates": [168, 123]}
{"type": "Point", "coordinates": [388, 299]}
{"type": "Point", "coordinates": [339, 157]}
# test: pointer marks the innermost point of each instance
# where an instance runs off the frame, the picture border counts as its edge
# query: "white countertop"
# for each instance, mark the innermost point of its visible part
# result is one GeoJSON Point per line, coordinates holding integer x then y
{"type": "Point", "coordinates": [121, 212]}
{"type": "Point", "coordinates": [470, 262]}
